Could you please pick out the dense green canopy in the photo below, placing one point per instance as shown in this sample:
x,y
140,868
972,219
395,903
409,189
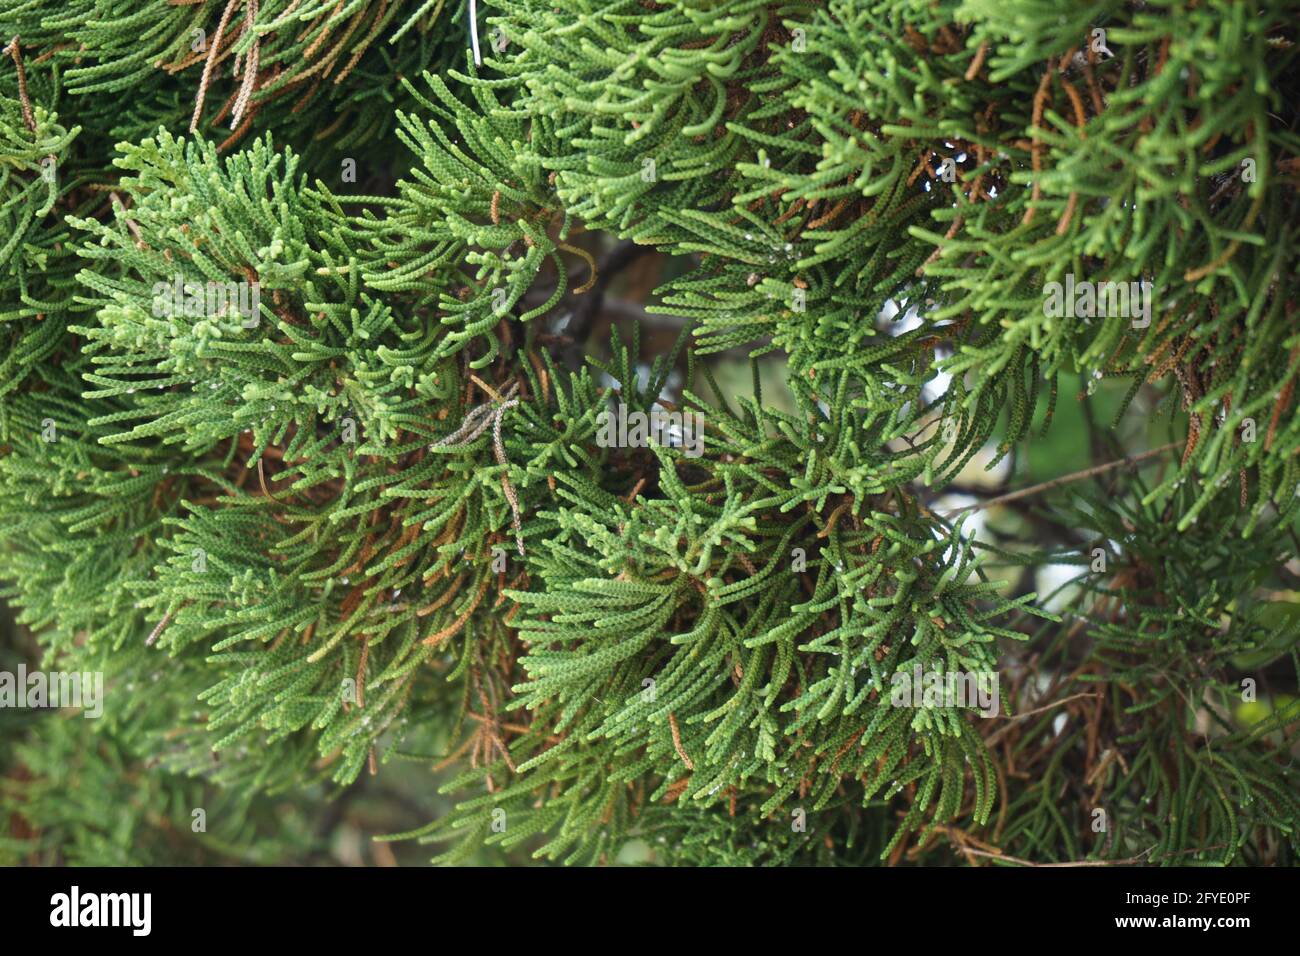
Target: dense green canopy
x,y
368,519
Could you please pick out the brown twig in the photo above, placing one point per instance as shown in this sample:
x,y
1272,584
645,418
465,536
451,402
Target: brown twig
x,y
1065,479
973,70
1040,102
12,49
208,64
677,741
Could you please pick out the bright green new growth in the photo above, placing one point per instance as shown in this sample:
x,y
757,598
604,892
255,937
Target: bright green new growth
x,y
373,521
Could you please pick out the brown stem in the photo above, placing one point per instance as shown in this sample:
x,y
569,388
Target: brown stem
x,y
1064,479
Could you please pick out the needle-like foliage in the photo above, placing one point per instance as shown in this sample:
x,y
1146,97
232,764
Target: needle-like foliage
x,y
362,507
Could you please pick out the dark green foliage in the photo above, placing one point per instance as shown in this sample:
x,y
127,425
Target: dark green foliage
x,y
375,520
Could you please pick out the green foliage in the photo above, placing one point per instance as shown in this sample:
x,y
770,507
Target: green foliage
x,y
313,70
371,519
85,800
